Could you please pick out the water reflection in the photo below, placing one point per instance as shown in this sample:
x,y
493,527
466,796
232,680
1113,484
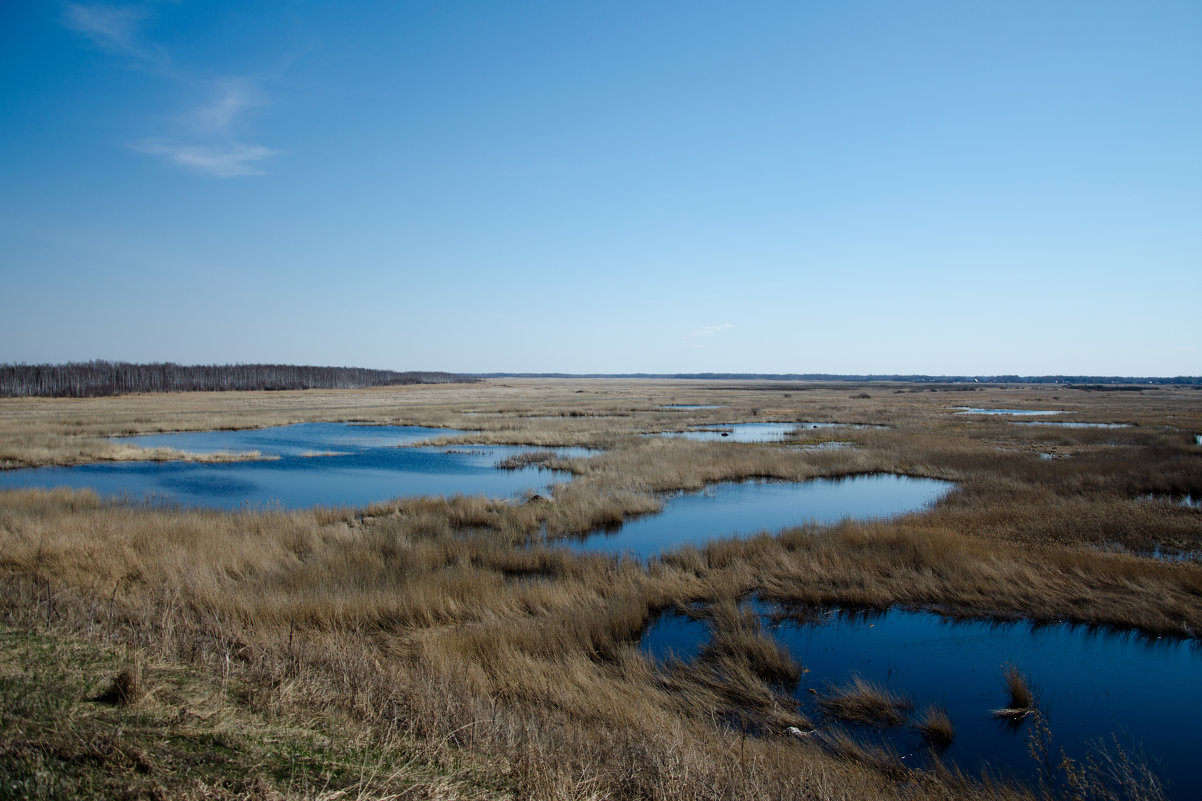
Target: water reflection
x,y
742,508
1066,424
755,432
311,464
738,432
1019,412
1088,682
295,440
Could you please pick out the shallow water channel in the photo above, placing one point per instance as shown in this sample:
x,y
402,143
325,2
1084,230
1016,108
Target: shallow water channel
x,y
1088,684
1072,424
304,465
752,432
340,464
1017,412
748,507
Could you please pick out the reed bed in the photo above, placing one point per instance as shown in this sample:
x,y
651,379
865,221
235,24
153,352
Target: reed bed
x,y
448,638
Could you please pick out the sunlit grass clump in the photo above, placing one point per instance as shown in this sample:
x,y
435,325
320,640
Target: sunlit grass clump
x,y
936,727
865,702
1021,698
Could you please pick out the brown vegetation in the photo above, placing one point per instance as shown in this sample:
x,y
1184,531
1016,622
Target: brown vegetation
x,y
444,635
862,701
936,727
1022,699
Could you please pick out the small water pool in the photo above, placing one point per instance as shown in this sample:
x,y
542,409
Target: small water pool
x,y
737,432
748,507
300,466
1089,684
754,432
1018,412
1067,424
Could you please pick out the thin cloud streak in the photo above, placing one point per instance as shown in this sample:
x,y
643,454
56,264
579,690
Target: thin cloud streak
x,y
112,28
223,161
206,139
711,330
233,97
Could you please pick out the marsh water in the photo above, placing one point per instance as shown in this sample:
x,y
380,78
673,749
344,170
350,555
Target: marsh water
x,y
299,466
747,507
1089,684
341,464
752,432
1018,412
1071,424
739,432
1036,413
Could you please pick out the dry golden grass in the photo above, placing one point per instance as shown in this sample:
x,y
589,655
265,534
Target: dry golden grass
x,y
863,701
447,628
1022,699
936,727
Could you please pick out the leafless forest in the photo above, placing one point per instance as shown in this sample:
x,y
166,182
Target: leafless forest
x,y
96,379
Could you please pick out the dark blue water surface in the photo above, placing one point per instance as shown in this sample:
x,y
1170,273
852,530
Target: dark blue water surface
x,y
674,635
748,507
311,464
1088,684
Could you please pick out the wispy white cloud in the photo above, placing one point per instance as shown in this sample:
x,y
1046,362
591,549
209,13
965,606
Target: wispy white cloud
x,y
231,98
112,28
228,160
207,136
710,330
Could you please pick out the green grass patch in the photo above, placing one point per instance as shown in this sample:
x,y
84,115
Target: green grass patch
x,y
63,735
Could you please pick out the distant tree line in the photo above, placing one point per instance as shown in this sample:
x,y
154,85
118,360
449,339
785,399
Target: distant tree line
x,y
1096,381
99,378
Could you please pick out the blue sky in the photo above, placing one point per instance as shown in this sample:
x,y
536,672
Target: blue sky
x,y
852,187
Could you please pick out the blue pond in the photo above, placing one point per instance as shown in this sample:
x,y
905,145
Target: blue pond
x,y
742,508
310,464
1088,684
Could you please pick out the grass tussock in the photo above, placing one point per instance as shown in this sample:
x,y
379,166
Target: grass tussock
x,y
738,636
543,458
126,689
865,702
1021,697
936,727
